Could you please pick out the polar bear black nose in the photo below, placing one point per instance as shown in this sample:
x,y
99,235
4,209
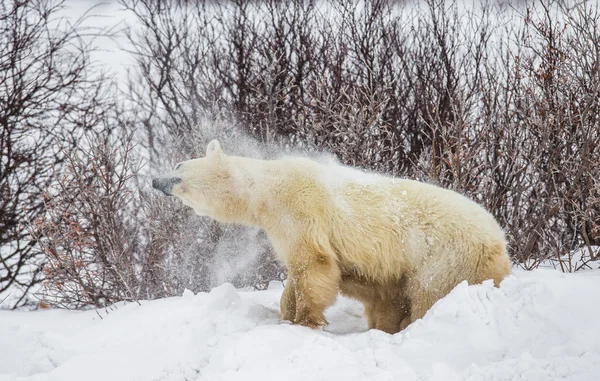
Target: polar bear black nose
x,y
165,184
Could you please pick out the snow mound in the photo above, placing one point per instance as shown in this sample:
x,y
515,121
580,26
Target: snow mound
x,y
539,325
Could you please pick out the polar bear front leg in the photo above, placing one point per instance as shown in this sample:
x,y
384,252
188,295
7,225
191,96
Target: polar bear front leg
x,y
315,277
288,301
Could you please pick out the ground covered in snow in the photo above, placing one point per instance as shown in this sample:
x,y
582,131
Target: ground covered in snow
x,y
540,325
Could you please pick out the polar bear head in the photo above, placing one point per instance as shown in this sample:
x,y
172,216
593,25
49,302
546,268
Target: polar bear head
x,y
210,185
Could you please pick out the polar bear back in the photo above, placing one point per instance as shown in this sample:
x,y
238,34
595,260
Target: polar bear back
x,y
385,228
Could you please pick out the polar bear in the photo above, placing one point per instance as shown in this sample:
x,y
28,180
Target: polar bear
x,y
396,245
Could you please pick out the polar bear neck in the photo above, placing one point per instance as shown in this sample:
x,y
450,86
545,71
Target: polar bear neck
x,y
266,186
256,183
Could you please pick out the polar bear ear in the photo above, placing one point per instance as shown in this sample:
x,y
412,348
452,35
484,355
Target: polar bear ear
x,y
213,147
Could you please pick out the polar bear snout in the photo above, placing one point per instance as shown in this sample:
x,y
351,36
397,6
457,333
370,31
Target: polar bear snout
x,y
165,184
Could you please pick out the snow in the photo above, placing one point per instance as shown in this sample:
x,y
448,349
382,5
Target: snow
x,y
582,259
539,325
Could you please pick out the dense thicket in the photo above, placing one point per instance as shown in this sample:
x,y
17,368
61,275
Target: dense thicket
x,y
499,102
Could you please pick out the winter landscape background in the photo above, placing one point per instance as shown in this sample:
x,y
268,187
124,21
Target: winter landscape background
x,y
497,100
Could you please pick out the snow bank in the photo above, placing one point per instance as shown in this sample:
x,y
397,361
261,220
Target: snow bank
x,y
539,325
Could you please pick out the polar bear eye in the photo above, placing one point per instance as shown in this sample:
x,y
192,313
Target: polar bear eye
x,y
178,166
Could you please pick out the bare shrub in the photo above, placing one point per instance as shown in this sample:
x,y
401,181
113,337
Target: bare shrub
x,y
50,96
86,233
